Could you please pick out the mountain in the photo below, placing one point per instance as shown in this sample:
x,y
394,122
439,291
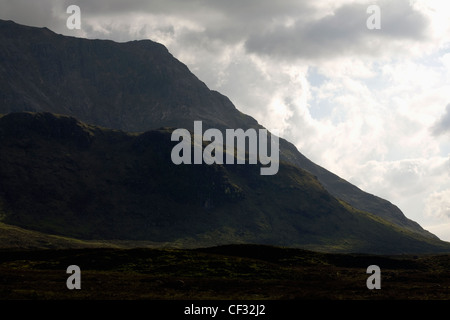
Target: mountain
x,y
63,177
135,87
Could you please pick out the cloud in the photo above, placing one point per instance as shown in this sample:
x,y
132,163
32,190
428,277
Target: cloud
x,y
404,178
34,13
343,32
442,126
438,204
411,185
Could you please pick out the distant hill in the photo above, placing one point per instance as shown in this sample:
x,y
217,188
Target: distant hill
x,y
13,237
63,177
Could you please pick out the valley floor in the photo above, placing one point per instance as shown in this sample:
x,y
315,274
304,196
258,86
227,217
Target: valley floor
x,y
244,272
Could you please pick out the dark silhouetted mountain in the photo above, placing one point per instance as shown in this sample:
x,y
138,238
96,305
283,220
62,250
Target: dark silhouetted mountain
x,y
63,177
137,86
133,87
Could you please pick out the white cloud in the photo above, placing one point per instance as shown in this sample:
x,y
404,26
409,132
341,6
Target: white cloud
x,y
438,204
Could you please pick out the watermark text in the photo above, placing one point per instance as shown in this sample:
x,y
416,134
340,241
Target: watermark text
x,y
235,142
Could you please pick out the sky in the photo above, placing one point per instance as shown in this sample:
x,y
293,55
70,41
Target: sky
x,y
362,92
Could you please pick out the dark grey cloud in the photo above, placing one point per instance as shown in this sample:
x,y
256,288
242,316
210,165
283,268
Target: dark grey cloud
x,y
442,126
231,22
32,13
342,33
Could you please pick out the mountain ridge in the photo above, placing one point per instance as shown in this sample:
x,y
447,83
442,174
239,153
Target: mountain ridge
x,y
150,89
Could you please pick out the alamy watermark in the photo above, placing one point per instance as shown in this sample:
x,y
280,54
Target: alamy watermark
x,y
374,281
74,281
74,20
374,20
258,147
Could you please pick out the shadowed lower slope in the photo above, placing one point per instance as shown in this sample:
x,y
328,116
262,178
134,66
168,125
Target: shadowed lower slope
x,y
64,177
